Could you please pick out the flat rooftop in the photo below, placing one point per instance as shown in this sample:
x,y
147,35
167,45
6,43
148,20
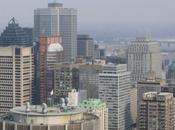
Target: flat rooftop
x,y
39,110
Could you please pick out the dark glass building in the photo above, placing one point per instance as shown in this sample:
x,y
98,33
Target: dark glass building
x,y
16,35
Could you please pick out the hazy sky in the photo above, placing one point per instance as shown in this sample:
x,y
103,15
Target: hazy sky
x,y
101,13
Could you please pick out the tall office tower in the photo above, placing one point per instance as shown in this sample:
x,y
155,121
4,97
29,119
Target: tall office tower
x,y
171,73
143,57
150,84
42,117
156,111
114,89
15,35
16,76
66,78
88,79
85,46
99,108
50,53
56,20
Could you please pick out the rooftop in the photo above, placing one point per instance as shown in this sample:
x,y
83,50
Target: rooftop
x,y
41,110
15,35
92,104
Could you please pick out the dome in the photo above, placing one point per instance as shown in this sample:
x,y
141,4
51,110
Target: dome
x,y
55,47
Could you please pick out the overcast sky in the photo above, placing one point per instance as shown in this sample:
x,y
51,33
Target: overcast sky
x,y
101,13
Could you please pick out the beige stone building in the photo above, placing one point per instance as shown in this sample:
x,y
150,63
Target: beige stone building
x,y
144,56
156,112
16,76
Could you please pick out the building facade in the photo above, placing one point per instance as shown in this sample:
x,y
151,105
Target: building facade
x,y
56,20
50,53
16,76
88,79
85,46
99,108
144,57
156,111
13,34
42,117
114,89
66,78
150,84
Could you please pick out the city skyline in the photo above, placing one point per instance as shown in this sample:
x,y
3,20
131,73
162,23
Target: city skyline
x,y
144,13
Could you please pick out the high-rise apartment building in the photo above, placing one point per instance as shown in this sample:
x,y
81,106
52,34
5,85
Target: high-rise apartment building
x,y
85,46
16,76
114,89
56,20
50,53
156,111
150,84
144,57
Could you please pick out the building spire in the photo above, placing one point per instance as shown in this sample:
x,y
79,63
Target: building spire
x,y
13,21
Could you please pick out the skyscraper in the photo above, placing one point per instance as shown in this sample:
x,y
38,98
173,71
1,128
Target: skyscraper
x,y
50,53
150,84
16,76
15,35
144,57
56,20
85,46
114,89
156,111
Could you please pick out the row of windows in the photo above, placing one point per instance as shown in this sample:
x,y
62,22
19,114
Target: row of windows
x,y
6,71
6,59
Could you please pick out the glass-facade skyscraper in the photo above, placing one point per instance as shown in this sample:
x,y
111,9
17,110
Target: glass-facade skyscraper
x,y
13,34
56,20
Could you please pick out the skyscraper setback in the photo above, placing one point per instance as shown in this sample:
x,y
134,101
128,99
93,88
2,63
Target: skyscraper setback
x,y
56,20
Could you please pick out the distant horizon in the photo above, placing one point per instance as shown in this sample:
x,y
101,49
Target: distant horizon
x,y
95,12
113,17
124,31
